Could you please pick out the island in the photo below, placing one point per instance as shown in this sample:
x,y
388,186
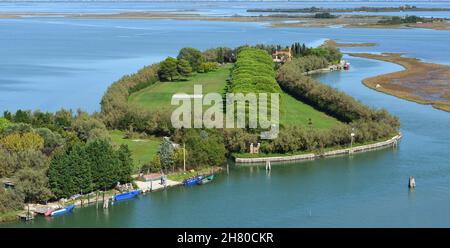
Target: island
x,y
56,161
421,82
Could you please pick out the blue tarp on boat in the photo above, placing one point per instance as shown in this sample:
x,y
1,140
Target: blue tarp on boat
x,y
127,195
62,211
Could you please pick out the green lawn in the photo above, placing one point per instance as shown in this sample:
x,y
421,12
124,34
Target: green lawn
x,y
294,112
159,95
142,150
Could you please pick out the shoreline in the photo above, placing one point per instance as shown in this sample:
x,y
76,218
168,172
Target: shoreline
x,y
409,83
392,142
146,187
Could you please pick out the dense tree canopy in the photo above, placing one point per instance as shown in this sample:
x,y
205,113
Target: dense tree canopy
x,y
168,69
194,56
184,68
94,166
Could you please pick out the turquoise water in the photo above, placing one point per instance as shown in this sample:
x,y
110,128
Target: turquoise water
x,y
48,63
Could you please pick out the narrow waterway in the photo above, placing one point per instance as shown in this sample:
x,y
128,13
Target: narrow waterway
x,y
368,189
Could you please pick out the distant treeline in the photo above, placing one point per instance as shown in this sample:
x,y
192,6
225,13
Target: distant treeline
x,y
407,19
358,9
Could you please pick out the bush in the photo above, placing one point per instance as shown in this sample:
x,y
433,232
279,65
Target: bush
x,y
10,200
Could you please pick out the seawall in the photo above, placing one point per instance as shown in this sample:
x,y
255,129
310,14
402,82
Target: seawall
x,y
392,142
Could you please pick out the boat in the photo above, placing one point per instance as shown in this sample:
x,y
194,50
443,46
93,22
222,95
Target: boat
x,y
346,66
192,181
126,195
63,211
206,180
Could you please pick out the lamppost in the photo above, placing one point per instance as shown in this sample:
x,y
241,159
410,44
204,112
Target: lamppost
x,y
352,134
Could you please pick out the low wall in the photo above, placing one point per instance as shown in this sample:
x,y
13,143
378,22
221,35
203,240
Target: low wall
x,y
311,156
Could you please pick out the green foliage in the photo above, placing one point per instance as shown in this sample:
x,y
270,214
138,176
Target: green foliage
x,y
178,158
126,168
253,72
114,103
184,68
104,164
52,140
166,151
205,148
10,200
11,161
89,128
369,124
33,185
63,118
84,168
168,70
395,20
21,142
208,66
194,56
220,55
4,123
324,15
154,165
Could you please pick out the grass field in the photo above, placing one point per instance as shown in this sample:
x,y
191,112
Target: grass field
x,y
294,112
142,150
158,97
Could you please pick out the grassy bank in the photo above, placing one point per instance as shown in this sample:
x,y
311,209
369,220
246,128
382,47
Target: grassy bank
x,y
294,112
180,176
9,216
421,82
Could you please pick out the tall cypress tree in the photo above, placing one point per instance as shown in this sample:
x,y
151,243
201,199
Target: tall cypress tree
x,y
55,176
81,170
103,163
126,164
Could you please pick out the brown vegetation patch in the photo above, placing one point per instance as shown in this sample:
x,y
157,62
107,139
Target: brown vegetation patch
x,y
421,82
338,44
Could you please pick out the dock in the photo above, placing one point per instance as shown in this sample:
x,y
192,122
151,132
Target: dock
x,y
155,185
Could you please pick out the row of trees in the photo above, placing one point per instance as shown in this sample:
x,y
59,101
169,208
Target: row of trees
x,y
253,72
171,68
406,19
115,110
88,167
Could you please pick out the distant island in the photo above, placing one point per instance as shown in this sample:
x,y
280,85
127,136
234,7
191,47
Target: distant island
x,y
343,10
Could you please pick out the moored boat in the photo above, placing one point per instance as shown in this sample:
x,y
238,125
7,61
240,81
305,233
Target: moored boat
x,y
127,195
63,211
192,181
206,179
